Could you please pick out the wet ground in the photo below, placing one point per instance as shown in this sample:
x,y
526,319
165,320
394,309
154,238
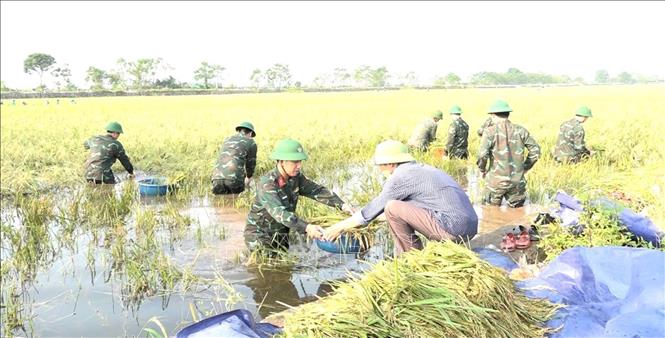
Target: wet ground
x,y
69,300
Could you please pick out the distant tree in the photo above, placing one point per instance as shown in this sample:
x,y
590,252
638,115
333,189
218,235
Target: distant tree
x,y
376,77
602,76
322,81
625,77
168,83
116,80
62,76
256,78
40,63
95,77
409,79
142,71
452,79
515,76
207,72
278,76
341,77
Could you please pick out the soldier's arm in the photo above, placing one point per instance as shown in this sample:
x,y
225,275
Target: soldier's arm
x,y
251,160
482,128
432,135
124,159
269,198
484,153
319,193
451,138
578,142
534,151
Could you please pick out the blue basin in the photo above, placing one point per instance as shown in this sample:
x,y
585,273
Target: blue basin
x,y
345,244
153,186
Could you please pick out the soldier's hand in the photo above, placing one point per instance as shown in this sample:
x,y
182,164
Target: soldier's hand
x,y
130,176
331,233
247,181
348,208
314,231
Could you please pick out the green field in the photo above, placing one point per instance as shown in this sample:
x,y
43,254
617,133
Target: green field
x,y
42,144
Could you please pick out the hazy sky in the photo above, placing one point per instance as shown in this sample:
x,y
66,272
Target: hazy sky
x,y
430,38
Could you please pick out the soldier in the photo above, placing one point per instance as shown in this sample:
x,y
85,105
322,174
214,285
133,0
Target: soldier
x,y
273,212
502,159
236,161
570,146
458,135
425,132
415,197
104,150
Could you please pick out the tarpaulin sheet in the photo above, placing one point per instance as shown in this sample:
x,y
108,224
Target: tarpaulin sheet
x,y
232,324
608,292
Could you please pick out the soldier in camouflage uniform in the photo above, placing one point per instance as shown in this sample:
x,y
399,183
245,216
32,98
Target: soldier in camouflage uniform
x,y
570,146
273,212
458,135
425,132
502,158
236,161
104,150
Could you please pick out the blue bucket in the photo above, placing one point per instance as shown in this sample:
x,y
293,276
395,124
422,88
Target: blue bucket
x,y
153,186
345,244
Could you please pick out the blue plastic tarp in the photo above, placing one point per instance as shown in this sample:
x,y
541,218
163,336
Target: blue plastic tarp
x,y
640,226
498,259
608,292
233,324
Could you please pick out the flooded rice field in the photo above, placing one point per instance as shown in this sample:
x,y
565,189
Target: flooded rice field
x,y
107,262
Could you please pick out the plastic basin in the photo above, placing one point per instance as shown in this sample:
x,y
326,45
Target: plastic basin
x,y
153,186
343,245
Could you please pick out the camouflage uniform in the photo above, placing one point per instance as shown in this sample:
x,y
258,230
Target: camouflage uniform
x,y
104,150
423,135
502,145
570,146
237,160
273,212
485,125
458,134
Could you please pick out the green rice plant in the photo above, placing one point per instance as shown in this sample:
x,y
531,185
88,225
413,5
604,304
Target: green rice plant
x,y
444,290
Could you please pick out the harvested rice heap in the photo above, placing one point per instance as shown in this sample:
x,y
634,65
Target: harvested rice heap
x,y
444,290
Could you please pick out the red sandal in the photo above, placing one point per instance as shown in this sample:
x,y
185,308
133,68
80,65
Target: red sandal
x,y
523,241
508,242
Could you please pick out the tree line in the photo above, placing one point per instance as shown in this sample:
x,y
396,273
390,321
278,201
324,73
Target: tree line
x,y
153,73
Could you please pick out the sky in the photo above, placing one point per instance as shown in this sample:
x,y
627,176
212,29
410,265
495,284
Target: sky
x,y
429,38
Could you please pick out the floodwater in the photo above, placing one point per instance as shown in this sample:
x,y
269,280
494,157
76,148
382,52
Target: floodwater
x,y
74,297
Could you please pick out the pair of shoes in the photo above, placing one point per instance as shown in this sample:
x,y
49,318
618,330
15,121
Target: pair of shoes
x,y
532,231
508,242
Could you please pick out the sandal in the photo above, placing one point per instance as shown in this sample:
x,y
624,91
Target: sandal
x,y
508,242
523,241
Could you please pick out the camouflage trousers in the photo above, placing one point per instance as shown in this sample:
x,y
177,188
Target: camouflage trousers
x,y
224,187
271,241
461,154
515,195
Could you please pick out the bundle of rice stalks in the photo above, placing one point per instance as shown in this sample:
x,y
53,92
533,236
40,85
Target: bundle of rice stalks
x,y
445,290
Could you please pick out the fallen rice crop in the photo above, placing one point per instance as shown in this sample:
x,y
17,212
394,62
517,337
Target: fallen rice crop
x,y
445,290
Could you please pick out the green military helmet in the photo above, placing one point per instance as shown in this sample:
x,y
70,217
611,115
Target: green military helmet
x,y
500,106
247,125
455,110
288,150
437,114
583,111
114,127
392,151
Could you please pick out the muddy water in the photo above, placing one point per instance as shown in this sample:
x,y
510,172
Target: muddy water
x,y
69,299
